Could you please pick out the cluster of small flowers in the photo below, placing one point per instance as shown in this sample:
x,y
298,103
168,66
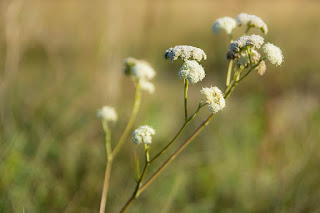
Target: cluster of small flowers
x,y
227,24
215,99
185,53
238,51
143,134
244,46
192,71
107,113
273,54
254,41
141,71
252,21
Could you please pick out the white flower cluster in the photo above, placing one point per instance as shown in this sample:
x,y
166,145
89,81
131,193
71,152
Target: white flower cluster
x,y
143,135
192,71
273,53
252,21
141,71
185,53
107,113
215,98
225,24
254,41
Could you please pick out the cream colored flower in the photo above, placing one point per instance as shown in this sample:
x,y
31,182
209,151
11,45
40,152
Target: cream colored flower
x,y
252,21
273,54
254,41
107,113
185,53
138,69
192,71
143,135
225,24
215,99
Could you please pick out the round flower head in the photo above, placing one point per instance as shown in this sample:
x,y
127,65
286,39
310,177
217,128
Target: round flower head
x,y
254,41
192,71
215,99
225,24
147,86
138,69
261,68
143,135
185,53
252,21
273,53
107,113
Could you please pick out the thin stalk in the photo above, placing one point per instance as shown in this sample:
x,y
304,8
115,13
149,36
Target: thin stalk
x,y
177,135
111,154
247,73
186,83
108,167
135,192
229,73
174,155
105,187
229,67
136,106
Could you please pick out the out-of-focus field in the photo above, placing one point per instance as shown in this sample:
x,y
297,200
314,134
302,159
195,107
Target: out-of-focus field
x,y
61,60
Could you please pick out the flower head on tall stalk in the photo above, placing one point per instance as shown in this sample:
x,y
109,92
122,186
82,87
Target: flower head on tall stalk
x,y
192,71
141,72
107,113
251,21
143,134
225,24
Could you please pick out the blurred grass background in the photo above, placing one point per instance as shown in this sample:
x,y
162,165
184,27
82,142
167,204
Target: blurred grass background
x,y
61,60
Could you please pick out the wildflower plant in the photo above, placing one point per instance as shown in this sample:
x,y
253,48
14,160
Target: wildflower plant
x,y
245,54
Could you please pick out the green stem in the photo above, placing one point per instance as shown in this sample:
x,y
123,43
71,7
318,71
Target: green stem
x,y
186,83
105,187
229,73
111,154
108,167
177,135
252,68
136,106
136,190
174,155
